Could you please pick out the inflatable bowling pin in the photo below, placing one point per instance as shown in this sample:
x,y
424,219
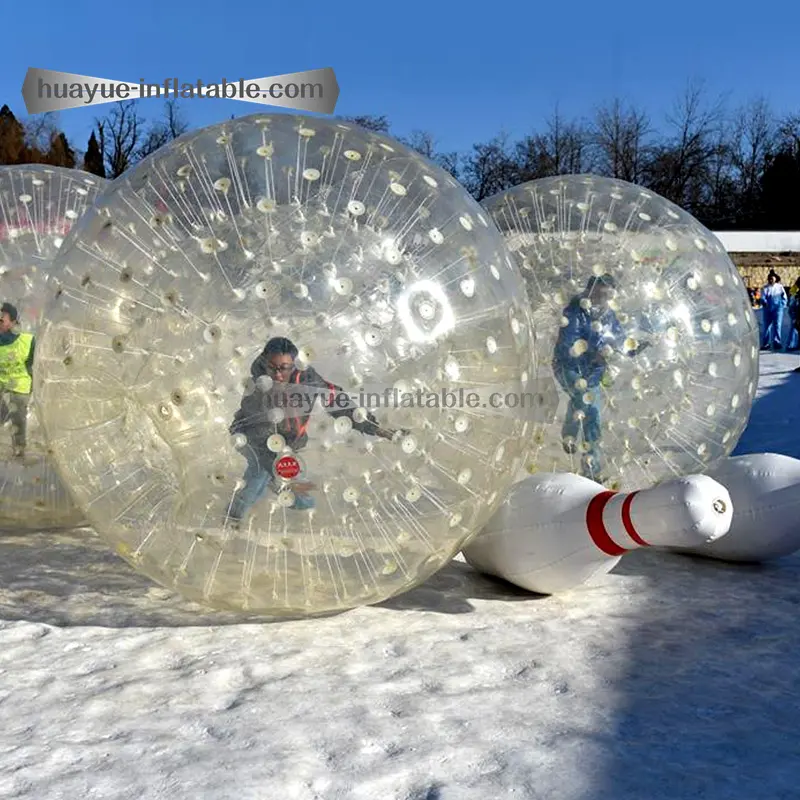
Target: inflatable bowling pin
x,y
765,491
556,531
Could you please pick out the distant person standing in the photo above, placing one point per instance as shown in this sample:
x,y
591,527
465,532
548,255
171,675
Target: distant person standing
x,y
16,377
796,318
774,300
794,313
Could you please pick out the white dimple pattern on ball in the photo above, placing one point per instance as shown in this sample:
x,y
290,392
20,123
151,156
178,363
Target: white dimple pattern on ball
x,y
380,269
38,207
683,402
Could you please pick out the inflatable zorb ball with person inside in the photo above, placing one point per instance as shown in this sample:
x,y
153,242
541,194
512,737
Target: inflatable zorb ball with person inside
x,y
38,207
210,371
644,324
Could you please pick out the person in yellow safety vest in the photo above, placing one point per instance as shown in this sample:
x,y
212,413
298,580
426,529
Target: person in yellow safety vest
x,y
16,377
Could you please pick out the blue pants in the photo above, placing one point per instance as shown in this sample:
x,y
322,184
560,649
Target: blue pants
x,y
773,323
794,336
258,478
589,402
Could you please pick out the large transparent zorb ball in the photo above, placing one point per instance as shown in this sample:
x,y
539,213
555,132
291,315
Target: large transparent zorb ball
x,y
643,322
38,207
337,469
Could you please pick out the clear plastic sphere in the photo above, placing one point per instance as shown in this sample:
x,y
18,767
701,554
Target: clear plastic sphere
x,y
169,428
38,207
643,322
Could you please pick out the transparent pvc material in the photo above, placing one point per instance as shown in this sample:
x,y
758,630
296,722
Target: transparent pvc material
x,y
392,285
38,207
643,322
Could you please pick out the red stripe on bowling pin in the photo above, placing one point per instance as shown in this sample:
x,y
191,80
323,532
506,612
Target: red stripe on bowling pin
x,y
628,522
596,527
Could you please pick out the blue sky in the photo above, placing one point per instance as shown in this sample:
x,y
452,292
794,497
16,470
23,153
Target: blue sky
x,y
463,71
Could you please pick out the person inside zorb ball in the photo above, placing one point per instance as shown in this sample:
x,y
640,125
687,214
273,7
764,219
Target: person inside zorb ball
x,y
213,374
279,405
644,324
38,207
592,333
16,376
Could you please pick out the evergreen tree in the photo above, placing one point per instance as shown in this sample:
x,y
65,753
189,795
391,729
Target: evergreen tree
x,y
93,160
779,187
371,122
12,138
60,153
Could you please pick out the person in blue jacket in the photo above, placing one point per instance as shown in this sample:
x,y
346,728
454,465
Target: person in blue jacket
x,y
793,309
774,301
592,333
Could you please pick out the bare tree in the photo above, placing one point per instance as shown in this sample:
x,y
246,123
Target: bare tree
x,y
720,208
372,122
425,144
788,133
679,168
40,130
119,134
155,139
619,141
169,127
490,168
174,119
124,138
562,149
753,139
450,162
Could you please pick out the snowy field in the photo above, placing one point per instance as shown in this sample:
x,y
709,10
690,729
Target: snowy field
x,y
669,678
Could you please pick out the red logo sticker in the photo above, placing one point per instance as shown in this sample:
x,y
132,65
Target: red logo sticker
x,y
287,467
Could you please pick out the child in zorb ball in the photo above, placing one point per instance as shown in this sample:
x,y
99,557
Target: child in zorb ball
x,y
275,415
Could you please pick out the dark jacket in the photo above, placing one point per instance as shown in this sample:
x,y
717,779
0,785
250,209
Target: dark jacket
x,y
296,399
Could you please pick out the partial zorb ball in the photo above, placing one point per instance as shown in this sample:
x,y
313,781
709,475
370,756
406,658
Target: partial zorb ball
x,y
276,375
643,322
38,207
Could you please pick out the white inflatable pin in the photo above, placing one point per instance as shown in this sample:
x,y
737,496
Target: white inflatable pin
x,y
555,531
765,490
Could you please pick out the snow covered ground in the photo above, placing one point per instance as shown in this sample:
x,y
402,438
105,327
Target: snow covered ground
x,y
669,678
